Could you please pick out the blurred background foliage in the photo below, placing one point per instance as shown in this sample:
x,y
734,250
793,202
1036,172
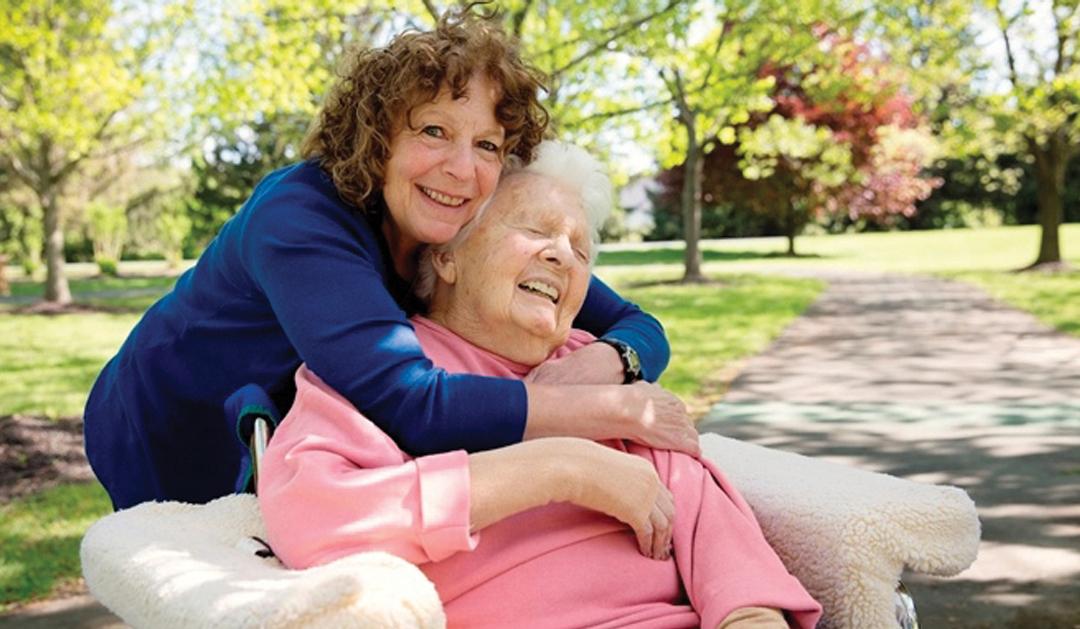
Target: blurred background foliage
x,y
134,129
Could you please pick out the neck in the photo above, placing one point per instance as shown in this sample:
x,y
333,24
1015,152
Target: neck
x,y
403,251
511,344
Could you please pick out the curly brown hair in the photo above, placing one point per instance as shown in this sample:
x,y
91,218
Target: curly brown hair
x,y
377,88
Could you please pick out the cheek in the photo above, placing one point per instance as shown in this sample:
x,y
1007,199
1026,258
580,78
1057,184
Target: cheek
x,y
488,177
579,286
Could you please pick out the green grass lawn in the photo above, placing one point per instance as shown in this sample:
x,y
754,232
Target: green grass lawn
x,y
1053,298
710,326
957,250
985,257
39,539
50,362
80,286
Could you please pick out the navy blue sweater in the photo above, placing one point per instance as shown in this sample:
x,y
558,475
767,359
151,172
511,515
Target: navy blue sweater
x,y
297,276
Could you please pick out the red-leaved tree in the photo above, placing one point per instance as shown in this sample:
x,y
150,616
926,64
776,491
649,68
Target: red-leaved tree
x,y
861,151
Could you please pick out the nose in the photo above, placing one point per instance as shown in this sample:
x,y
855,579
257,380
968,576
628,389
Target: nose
x,y
559,251
460,163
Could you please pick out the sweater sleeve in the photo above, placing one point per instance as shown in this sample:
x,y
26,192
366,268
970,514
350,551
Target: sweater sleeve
x,y
606,314
332,484
723,558
320,269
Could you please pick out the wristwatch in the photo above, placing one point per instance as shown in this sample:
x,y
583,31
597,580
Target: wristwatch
x,y
630,362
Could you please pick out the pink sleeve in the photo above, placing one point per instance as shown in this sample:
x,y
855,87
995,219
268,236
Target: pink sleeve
x,y
722,556
332,484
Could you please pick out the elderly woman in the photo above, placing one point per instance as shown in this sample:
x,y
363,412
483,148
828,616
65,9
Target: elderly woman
x,y
317,267
527,535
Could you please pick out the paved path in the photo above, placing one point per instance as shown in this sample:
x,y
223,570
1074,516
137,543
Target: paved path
x,y
934,381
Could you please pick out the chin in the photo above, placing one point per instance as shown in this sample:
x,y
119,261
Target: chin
x,y
440,235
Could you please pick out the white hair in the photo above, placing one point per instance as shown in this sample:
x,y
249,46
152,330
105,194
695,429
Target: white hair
x,y
575,168
567,164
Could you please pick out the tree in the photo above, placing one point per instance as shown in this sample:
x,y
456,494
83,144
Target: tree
x,y
264,73
835,141
1041,110
704,66
229,166
1009,87
108,229
71,83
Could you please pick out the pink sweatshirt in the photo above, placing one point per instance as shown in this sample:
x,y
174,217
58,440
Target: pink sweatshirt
x,y
332,484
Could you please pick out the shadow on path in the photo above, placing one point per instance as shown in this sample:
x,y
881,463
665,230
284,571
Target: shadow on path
x,y
934,381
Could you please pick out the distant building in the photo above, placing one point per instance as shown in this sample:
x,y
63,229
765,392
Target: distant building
x,y
634,200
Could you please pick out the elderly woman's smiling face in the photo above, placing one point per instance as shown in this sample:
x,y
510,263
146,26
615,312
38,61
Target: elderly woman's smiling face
x,y
516,283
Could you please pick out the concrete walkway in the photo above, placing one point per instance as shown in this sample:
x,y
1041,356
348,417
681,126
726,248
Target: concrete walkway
x,y
934,381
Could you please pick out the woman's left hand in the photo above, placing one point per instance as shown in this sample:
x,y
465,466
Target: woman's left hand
x,y
595,363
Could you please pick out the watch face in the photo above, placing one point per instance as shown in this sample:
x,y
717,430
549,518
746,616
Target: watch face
x,y
632,361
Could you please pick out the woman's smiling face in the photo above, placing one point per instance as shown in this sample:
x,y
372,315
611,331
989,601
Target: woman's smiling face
x,y
444,163
520,277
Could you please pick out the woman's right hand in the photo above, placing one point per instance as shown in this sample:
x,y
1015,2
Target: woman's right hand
x,y
659,419
640,412
534,473
623,486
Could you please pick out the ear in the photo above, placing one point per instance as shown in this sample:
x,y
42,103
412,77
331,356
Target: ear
x,y
445,266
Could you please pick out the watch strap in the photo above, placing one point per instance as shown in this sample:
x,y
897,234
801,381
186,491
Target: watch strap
x,y
628,356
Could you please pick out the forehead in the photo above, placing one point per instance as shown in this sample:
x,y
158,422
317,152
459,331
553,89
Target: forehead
x,y
479,96
529,196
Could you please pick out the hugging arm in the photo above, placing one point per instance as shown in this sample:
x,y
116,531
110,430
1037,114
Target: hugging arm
x,y
607,315
320,269
332,484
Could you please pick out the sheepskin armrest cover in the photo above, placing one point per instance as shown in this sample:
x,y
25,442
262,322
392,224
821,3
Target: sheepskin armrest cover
x,y
173,565
845,533
848,534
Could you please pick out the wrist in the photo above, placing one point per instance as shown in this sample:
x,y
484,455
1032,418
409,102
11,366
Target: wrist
x,y
629,361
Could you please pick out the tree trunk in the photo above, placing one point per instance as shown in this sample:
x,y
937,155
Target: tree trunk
x,y
1050,162
691,202
5,288
791,229
56,284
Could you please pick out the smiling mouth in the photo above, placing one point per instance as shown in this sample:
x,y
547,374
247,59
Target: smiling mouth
x,y
444,199
543,289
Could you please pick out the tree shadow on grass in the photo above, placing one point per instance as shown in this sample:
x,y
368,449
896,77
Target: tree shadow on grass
x,y
49,309
667,255
706,281
36,454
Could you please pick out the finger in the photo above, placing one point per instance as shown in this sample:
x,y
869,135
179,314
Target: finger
x,y
661,541
693,445
667,507
667,504
644,535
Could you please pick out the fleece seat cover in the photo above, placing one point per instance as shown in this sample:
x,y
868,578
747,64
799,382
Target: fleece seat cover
x,y
171,565
846,534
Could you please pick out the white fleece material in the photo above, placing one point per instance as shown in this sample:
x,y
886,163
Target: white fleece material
x,y
846,534
171,565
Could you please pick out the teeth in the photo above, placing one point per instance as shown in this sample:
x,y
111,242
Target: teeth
x,y
542,288
445,199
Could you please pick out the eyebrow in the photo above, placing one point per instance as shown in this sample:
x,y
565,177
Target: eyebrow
x,y
444,118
